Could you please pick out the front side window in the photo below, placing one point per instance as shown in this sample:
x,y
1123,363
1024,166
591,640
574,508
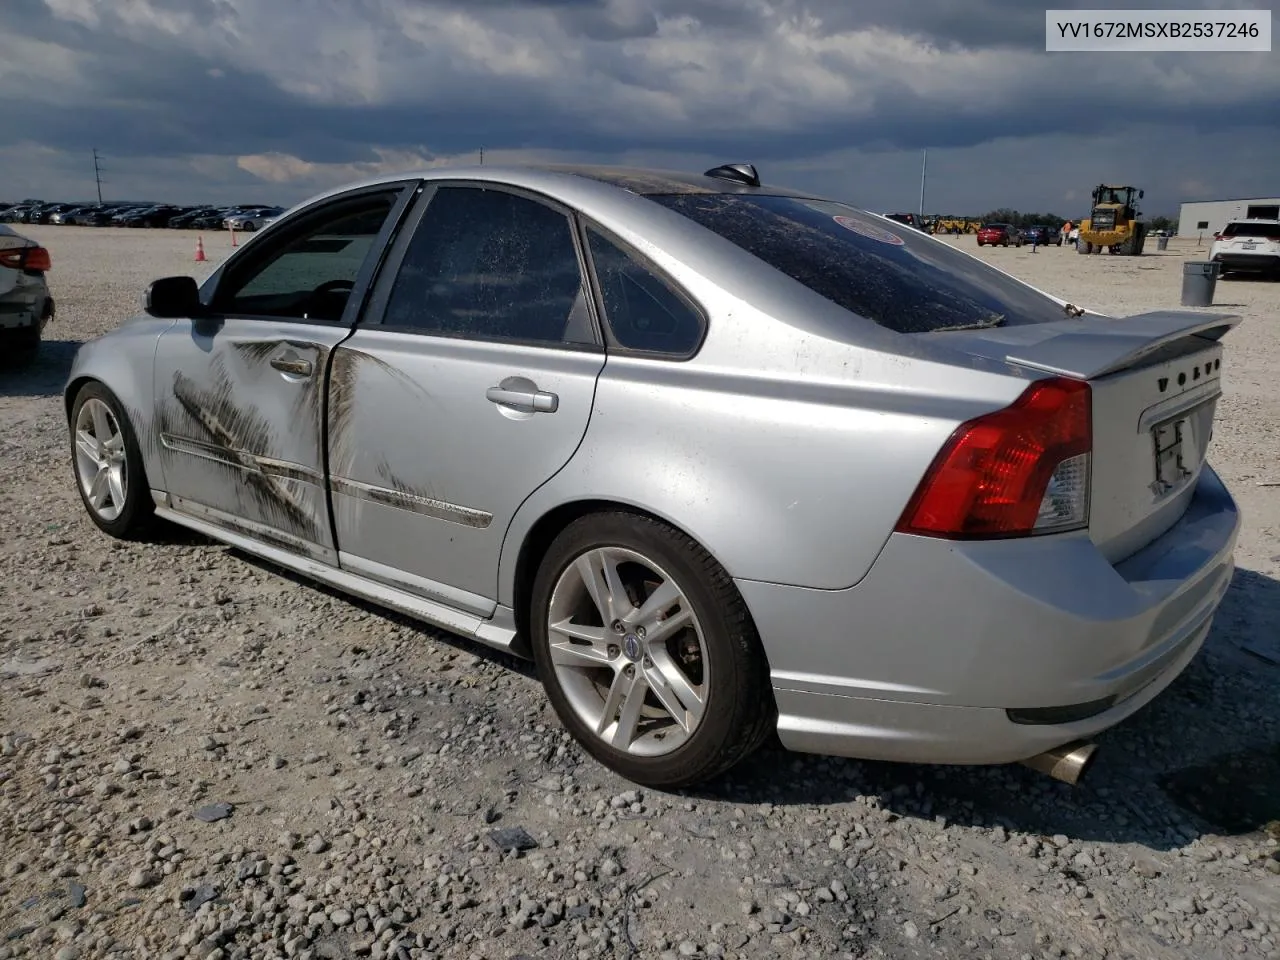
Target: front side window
x,y
309,272
899,278
643,313
491,265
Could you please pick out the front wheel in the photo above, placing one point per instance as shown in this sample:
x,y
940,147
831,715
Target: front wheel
x,y
108,465
647,651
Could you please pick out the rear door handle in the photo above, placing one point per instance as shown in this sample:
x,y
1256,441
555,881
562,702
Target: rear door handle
x,y
539,401
292,363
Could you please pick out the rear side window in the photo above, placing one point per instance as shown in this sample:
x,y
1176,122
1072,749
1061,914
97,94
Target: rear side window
x,y
897,277
491,265
643,313
1271,230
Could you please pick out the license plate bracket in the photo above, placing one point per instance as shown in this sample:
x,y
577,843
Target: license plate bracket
x,y
1177,455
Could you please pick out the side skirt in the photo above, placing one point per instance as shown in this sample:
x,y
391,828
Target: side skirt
x,y
497,631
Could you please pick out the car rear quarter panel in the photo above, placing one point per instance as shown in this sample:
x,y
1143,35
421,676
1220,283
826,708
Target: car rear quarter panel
x,y
788,455
123,360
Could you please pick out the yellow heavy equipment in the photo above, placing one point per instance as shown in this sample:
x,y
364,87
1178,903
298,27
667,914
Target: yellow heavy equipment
x,y
1113,222
955,225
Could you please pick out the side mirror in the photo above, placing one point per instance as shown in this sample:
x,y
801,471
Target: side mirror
x,y
173,298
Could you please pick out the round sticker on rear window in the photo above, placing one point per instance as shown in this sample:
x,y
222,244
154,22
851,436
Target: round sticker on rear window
x,y
866,230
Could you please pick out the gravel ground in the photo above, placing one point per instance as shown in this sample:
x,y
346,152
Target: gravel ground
x,y
201,757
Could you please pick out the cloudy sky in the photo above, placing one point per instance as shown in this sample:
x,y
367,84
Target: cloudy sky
x,y
273,100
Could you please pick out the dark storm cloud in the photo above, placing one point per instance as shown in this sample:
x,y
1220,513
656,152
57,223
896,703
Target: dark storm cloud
x,y
333,82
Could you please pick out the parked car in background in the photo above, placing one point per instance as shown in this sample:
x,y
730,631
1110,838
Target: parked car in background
x,y
26,305
534,406
98,216
1247,246
1042,235
999,235
210,219
19,212
187,219
910,219
45,212
157,216
61,216
251,219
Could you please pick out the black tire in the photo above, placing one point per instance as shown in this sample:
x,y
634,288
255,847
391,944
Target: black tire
x,y
739,712
137,519
21,347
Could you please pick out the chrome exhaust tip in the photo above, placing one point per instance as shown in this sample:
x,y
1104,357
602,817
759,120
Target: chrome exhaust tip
x,y
1067,763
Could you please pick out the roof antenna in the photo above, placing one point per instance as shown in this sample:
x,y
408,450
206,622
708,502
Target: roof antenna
x,y
737,172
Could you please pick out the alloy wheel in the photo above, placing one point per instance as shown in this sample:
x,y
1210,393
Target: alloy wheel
x,y
100,459
628,651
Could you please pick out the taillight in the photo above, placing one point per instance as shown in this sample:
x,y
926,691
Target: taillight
x,y
1016,472
26,258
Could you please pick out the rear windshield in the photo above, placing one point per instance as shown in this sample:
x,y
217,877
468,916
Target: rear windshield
x,y
1252,230
899,278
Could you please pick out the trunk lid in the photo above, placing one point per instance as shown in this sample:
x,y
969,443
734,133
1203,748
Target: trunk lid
x,y
1156,381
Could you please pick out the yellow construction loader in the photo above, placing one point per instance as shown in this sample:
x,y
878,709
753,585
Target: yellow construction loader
x,y
1113,222
956,225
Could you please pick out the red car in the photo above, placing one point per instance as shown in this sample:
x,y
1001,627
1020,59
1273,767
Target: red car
x,y
999,235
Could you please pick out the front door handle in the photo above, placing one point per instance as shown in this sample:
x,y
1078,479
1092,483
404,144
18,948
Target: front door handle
x,y
292,363
539,401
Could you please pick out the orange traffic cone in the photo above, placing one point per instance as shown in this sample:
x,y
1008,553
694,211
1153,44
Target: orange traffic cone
x,y
233,236
200,257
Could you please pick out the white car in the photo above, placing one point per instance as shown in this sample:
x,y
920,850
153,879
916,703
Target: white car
x,y
251,220
1247,246
25,302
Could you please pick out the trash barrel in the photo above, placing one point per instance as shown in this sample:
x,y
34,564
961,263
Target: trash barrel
x,y
1199,277
1162,243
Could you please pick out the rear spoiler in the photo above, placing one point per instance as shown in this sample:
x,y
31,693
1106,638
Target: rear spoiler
x,y
1092,346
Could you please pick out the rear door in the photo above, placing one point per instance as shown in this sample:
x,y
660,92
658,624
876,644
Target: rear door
x,y
240,390
470,386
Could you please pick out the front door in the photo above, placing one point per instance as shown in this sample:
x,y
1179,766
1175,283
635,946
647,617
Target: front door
x,y
468,386
240,390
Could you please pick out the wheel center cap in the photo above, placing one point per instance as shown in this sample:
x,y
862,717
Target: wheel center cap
x,y
631,647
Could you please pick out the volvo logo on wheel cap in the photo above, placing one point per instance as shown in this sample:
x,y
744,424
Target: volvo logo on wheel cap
x,y
631,646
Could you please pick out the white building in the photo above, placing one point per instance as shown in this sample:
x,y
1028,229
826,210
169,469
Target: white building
x,y
1210,216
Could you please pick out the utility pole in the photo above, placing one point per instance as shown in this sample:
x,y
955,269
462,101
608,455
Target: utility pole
x,y
97,175
924,166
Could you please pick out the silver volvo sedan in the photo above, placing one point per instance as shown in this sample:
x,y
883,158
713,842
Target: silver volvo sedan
x,y
723,459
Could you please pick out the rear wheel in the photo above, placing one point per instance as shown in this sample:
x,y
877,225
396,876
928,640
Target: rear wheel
x,y
108,465
647,651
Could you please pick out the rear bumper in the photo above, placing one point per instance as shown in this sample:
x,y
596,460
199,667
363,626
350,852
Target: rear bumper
x,y
24,308
1248,261
959,652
